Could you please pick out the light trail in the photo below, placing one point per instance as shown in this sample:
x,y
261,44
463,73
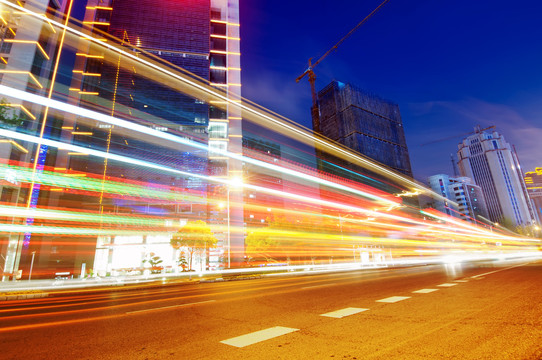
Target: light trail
x,y
287,212
72,109
124,159
296,129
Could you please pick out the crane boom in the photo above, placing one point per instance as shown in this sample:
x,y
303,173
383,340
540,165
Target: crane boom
x,y
312,75
458,135
312,66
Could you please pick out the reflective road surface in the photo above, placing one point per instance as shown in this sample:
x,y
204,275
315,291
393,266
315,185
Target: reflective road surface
x,y
483,310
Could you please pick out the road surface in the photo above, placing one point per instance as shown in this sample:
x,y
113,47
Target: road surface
x,y
486,310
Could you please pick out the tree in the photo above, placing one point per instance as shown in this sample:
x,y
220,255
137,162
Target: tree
x,y
285,240
261,244
154,261
182,261
196,237
6,118
508,223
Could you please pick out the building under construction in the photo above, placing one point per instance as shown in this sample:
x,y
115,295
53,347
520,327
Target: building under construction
x,y
365,123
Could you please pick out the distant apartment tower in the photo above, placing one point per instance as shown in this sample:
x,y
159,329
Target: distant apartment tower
x,y
533,181
365,123
493,164
461,191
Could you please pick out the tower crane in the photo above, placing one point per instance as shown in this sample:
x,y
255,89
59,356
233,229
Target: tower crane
x,y
312,76
477,129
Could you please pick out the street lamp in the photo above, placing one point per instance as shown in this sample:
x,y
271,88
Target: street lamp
x,y
342,237
234,183
31,266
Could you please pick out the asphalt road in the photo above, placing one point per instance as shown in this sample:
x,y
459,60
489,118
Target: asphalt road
x,y
490,310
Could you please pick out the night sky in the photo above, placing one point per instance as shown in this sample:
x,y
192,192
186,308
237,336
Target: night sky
x,y
450,65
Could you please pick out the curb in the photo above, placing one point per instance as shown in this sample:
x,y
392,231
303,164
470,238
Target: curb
x,y
231,279
23,296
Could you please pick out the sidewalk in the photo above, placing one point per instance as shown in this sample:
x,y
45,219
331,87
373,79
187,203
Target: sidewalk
x,y
25,289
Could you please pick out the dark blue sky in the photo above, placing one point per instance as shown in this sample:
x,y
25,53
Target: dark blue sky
x,y
450,65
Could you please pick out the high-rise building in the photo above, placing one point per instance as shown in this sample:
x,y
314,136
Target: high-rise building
x,y
202,37
533,180
467,200
365,123
198,39
261,207
441,185
28,47
492,163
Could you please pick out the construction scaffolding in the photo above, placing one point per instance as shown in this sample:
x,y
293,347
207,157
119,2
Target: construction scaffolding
x,y
365,123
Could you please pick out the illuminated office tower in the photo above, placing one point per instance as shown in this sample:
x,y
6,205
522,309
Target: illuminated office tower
x,y
27,62
225,126
197,38
492,163
201,37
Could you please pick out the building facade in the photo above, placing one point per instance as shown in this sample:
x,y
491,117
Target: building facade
x,y
365,123
28,50
492,163
533,181
201,37
198,39
467,200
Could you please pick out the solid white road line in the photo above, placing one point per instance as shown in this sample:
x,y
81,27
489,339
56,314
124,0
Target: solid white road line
x,y
393,299
317,286
169,307
344,312
495,271
257,336
447,285
424,291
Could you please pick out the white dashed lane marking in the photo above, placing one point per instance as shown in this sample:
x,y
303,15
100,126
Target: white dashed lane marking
x,y
258,336
461,281
344,312
393,299
447,285
424,291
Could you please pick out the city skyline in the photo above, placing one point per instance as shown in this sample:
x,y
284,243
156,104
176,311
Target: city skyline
x,y
449,67
148,212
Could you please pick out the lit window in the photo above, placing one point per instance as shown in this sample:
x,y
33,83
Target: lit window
x,y
218,60
217,146
218,28
218,44
217,76
218,130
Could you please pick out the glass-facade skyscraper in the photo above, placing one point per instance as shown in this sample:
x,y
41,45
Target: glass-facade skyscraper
x,y
202,38
137,62
365,123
